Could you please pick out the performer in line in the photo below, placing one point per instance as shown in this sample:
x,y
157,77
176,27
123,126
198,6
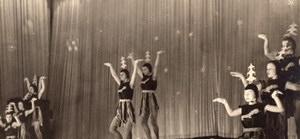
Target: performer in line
x,y
10,125
37,93
276,126
253,113
23,114
149,107
290,66
125,112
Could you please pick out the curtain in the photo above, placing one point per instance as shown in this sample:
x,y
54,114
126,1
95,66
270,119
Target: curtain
x,y
204,40
24,40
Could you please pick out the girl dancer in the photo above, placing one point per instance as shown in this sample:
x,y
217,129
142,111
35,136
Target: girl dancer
x,y
10,126
34,92
149,107
276,123
290,65
22,114
253,113
125,112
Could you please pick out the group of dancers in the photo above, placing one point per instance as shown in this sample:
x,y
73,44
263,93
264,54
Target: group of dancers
x,y
22,113
125,115
279,94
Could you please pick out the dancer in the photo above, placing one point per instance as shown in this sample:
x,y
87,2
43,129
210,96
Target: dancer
x,y
10,126
253,113
125,112
22,113
35,92
290,65
149,107
276,126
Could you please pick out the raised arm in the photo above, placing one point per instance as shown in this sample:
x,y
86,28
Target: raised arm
x,y
266,47
113,72
14,106
140,73
278,108
156,64
27,112
41,87
17,123
26,80
240,76
230,112
1,123
134,72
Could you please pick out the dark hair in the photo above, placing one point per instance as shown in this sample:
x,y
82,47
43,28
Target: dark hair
x,y
254,88
148,66
35,89
290,42
277,66
126,72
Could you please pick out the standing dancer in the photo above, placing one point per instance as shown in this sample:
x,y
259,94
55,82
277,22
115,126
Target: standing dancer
x,y
149,107
22,113
36,92
253,113
125,112
290,65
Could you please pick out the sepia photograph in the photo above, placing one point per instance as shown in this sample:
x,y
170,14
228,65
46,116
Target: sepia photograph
x,y
149,69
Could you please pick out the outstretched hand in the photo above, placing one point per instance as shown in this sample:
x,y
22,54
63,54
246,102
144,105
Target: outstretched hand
x,y
138,61
43,78
161,52
130,56
107,64
26,79
262,36
33,99
220,100
276,93
237,74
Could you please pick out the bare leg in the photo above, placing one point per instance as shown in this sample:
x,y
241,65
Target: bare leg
x,y
113,128
128,130
23,131
144,121
153,121
40,116
297,117
37,130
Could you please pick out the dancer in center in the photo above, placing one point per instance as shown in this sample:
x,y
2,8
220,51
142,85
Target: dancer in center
x,y
125,112
149,107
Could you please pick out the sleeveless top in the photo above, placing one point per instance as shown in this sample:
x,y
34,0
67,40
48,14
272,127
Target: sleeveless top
x,y
125,91
10,131
148,83
256,120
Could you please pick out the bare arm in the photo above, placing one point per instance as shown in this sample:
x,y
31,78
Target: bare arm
x,y
1,123
17,123
41,87
156,64
278,108
240,76
26,80
132,61
266,47
113,73
134,72
15,107
292,86
27,112
230,112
